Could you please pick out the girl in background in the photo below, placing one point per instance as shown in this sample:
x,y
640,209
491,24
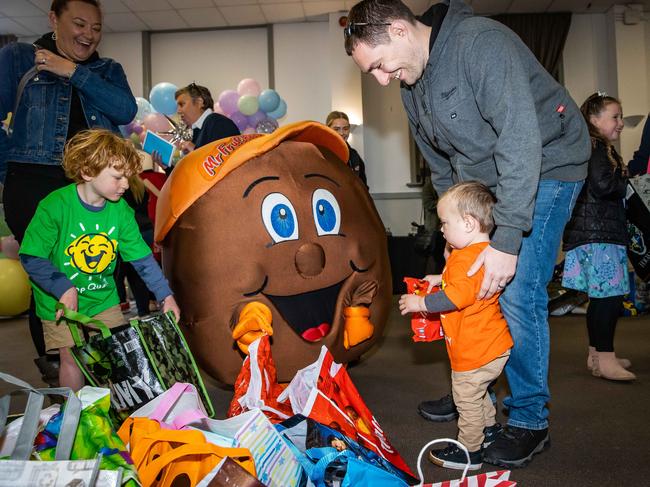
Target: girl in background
x,y
595,239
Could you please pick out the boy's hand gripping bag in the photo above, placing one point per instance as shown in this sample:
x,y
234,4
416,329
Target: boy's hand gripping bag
x,y
426,326
137,361
323,391
500,478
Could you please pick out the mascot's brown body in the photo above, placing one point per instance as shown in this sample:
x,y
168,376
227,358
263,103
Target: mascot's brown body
x,y
274,234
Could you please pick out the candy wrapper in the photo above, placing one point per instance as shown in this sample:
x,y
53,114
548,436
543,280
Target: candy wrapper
x,y
426,326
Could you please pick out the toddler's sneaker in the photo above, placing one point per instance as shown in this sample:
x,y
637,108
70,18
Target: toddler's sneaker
x,y
454,457
491,433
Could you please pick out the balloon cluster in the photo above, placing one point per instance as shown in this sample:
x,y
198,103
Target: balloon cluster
x,y
252,109
159,116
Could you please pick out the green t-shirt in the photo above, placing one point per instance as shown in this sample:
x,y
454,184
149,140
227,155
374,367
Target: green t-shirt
x,y
82,244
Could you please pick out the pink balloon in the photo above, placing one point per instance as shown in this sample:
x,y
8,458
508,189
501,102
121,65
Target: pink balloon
x,y
9,246
248,86
217,108
156,122
142,136
228,101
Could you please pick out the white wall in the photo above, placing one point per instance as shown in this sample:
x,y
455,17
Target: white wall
x,y
218,59
386,138
126,48
632,75
585,57
301,60
604,54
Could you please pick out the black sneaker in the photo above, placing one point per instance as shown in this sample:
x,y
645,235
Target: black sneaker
x,y
439,411
49,370
491,433
454,457
515,447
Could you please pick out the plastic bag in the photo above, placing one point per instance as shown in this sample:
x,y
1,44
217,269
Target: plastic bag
x,y
324,392
257,384
426,326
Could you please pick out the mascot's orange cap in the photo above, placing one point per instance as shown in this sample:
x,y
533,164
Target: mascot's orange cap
x,y
202,168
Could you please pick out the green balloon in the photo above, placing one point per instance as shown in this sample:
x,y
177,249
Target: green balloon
x,y
248,105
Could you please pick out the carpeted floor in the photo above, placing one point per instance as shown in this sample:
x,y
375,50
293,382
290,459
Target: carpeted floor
x,y
599,429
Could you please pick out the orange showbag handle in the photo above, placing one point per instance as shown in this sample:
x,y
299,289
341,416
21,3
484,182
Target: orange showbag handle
x,y
195,469
158,443
133,429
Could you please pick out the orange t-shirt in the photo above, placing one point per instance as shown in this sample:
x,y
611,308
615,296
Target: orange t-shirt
x,y
476,333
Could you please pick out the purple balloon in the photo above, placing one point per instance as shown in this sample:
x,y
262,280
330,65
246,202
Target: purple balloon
x,y
256,118
228,101
137,128
240,119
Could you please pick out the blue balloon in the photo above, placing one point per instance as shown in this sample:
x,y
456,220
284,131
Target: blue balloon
x,y
279,112
162,98
268,100
144,108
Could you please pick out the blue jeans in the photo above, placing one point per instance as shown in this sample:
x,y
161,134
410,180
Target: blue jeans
x,y
524,304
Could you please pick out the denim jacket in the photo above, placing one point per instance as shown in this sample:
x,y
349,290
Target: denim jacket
x,y
41,121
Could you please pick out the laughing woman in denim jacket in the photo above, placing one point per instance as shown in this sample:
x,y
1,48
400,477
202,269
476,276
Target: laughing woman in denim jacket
x,y
67,88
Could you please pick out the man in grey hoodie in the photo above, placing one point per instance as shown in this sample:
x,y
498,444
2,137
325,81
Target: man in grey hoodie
x,y
481,107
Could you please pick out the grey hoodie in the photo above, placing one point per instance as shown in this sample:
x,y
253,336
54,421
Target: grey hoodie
x,y
485,109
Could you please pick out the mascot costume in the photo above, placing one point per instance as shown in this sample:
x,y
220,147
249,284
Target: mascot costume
x,y
274,234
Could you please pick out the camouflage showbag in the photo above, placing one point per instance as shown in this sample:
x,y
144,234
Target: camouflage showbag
x,y
137,361
169,353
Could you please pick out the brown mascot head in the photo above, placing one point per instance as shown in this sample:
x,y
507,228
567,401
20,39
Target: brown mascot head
x,y
274,234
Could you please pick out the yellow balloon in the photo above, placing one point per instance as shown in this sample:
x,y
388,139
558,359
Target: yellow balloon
x,y
15,290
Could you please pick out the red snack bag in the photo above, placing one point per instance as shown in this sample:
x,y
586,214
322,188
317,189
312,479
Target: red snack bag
x,y
257,385
426,326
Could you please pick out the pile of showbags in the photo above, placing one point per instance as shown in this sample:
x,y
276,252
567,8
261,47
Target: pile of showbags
x,y
147,420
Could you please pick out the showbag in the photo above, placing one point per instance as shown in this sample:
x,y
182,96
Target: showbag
x,y
638,224
324,391
138,361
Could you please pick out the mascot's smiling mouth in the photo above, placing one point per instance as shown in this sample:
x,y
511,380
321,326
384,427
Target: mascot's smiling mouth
x,y
309,314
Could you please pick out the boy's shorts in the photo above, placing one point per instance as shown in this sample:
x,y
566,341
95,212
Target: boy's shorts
x,y
59,336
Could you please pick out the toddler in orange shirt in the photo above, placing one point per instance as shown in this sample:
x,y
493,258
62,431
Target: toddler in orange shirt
x,y
476,334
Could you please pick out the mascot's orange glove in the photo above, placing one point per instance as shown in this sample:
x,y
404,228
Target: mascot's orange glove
x,y
254,321
357,326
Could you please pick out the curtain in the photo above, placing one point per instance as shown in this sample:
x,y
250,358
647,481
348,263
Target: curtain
x,y
6,39
544,34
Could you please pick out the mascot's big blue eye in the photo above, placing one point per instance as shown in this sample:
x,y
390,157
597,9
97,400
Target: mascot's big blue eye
x,y
279,217
327,213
